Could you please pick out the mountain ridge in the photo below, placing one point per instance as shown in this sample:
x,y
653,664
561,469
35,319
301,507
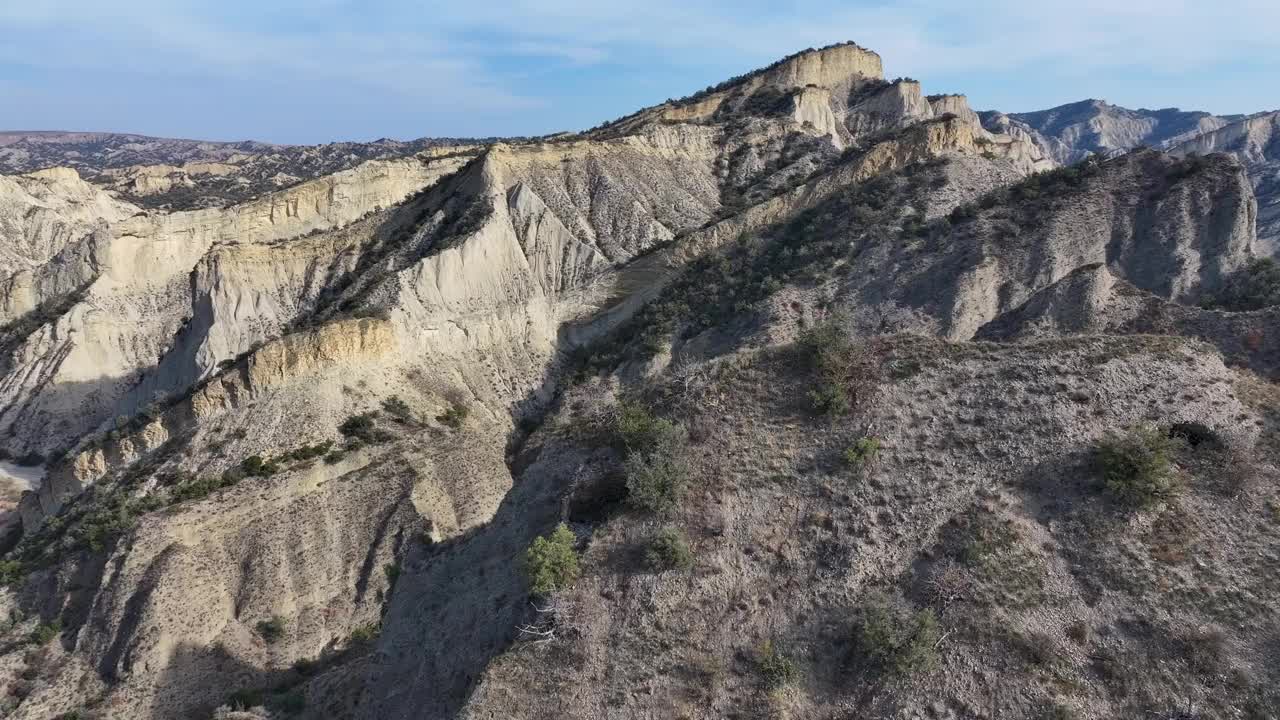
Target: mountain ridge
x,y
808,349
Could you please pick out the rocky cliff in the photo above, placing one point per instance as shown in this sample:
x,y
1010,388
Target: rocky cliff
x,y
1072,132
1255,141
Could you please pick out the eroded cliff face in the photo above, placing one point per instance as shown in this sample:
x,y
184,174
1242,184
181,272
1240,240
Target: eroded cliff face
x,y
1255,141
1179,237
134,289
44,212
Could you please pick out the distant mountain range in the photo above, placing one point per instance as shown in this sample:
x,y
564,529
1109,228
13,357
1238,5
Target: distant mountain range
x,y
180,174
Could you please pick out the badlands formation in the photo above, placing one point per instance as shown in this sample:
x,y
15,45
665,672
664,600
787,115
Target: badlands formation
x,y
875,351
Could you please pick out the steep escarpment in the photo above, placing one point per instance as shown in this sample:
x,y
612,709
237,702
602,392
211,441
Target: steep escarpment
x,y
42,213
1072,132
1255,141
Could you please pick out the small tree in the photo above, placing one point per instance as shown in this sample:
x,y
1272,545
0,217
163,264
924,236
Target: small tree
x,y
551,562
862,453
668,550
778,668
656,478
1137,467
895,639
638,430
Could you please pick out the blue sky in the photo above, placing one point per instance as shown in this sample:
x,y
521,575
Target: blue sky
x,y
321,70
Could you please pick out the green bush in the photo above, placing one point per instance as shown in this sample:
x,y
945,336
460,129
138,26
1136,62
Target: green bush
x,y
12,572
256,466
638,430
271,630
363,428
308,452
397,408
1137,467
656,478
862,453
895,639
778,669
199,487
551,562
668,550
46,632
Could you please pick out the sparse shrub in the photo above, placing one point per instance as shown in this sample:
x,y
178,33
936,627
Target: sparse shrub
x,y
894,638
256,466
1196,435
948,583
364,634
1004,570
862,453
639,430
1079,632
271,630
656,478
848,371
456,415
290,703
335,457
1205,649
46,632
31,459
668,550
397,408
246,698
1038,648
308,452
1137,467
551,562
363,428
12,572
778,669
1058,711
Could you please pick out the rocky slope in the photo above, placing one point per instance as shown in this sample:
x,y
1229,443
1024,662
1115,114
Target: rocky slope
x,y
297,446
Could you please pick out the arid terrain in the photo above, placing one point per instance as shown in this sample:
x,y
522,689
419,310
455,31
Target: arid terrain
x,y
810,395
